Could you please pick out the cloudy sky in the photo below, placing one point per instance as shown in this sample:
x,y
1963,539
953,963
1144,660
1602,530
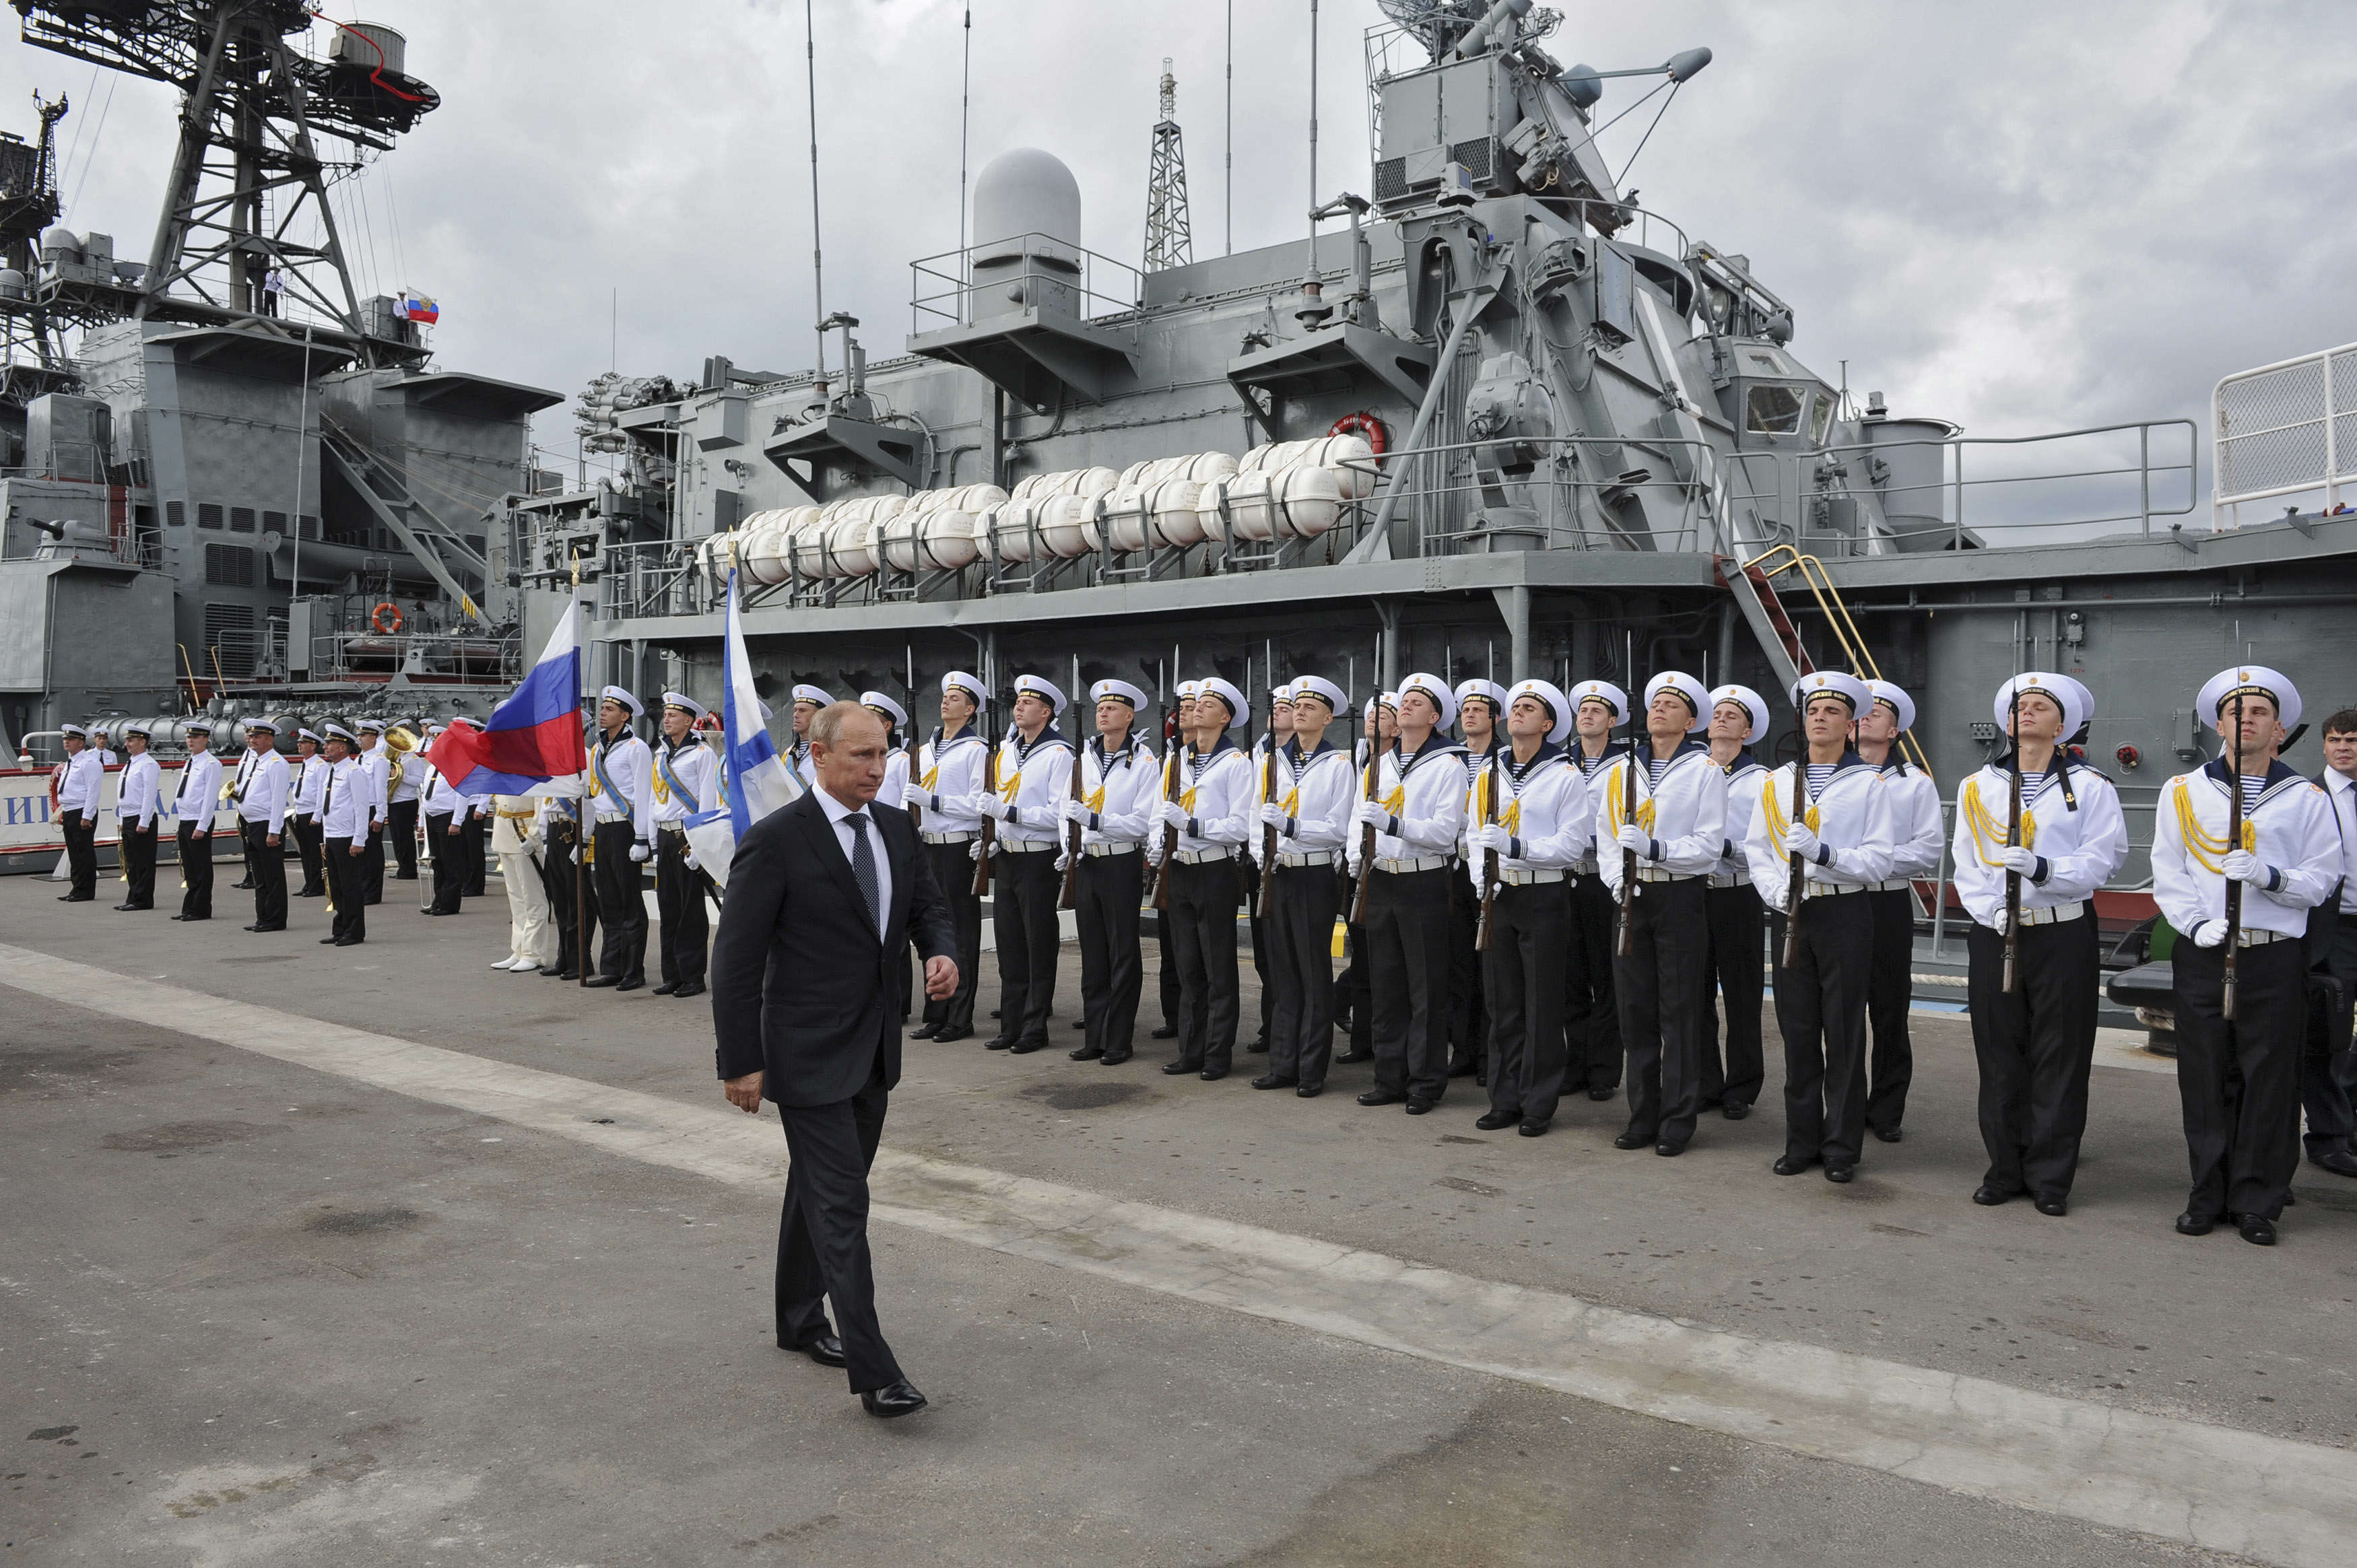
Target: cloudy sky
x,y
2017,216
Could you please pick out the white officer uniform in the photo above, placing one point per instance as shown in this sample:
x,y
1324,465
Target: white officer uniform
x,y
138,802
80,786
262,788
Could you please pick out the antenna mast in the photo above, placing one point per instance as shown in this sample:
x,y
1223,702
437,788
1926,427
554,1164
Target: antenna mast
x,y
1169,237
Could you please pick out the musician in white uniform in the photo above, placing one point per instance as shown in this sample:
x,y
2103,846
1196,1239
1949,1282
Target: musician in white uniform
x,y
79,793
1035,780
683,770
2035,1041
1831,813
137,804
1214,813
949,773
1120,783
621,841
376,760
401,800
1737,920
261,819
1310,813
2242,1139
306,773
192,820
347,810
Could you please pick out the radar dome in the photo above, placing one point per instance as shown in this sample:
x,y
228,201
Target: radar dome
x,y
1026,191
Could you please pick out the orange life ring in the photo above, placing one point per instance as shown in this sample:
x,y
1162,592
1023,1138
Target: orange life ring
x,y
1365,424
385,618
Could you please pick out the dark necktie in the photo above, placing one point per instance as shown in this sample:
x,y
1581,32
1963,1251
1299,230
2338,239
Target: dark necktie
x,y
863,870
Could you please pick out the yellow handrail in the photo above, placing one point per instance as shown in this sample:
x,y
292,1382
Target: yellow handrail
x,y
1845,629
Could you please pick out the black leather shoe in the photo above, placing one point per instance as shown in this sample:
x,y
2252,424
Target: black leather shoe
x,y
1025,1047
120,909
1632,1140
348,942
1989,1195
595,980
944,1036
1176,1069
324,941
76,897
1735,1110
1497,1121
1891,1136
827,1349
1080,1023
2188,1225
2057,1207
1212,1074
1309,1090
1257,1049
631,985
1380,1096
1167,1032
1356,1056
1841,1176
1086,1054
893,1399
1418,1106
688,988
995,1012
666,988
561,973
2257,1229
1271,1081
1668,1150
997,1043
242,886
1790,1164
1602,1094
1113,1059
1532,1129
923,1031
2340,1162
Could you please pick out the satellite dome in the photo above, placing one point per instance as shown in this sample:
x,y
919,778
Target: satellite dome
x,y
1026,191
66,241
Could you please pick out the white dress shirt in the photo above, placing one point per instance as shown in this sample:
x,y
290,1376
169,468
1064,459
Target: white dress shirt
x,y
345,804
199,794
1542,803
836,811
1424,795
1316,793
1216,791
437,796
1035,780
84,783
621,771
376,763
1917,824
263,798
138,798
2341,794
682,778
2079,835
2291,833
302,794
1745,775
1684,815
947,772
1851,819
1119,790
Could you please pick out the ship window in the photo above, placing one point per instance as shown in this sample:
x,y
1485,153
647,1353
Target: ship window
x,y
1773,410
1760,359
1821,419
240,519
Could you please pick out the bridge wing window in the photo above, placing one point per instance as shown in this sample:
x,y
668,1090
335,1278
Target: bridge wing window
x,y
1773,410
1821,419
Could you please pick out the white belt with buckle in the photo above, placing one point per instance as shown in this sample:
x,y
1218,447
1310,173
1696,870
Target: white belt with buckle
x,y
1583,868
1027,846
1528,878
1304,857
1893,885
1646,875
1420,863
2248,938
1729,879
1204,856
2053,916
1112,846
966,837
603,817
1831,889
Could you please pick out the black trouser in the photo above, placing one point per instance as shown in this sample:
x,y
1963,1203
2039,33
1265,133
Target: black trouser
x,y
472,831
679,907
1352,995
1301,953
1736,918
196,873
82,853
401,826
952,867
1202,911
1024,890
1889,991
621,900
346,888
449,863
822,1229
2239,1083
1663,986
1407,958
561,877
267,865
1253,874
372,866
2327,1068
1112,973
2035,1047
307,833
1591,1016
1468,1019
1166,983
138,853
1521,976
1821,1011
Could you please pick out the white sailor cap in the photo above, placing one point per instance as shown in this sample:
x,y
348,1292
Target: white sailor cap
x,y
1322,689
197,727
684,704
376,727
1831,683
1754,706
1117,691
1558,706
1698,701
1232,699
338,731
616,695
1042,688
2258,681
268,724
1899,702
300,734
1603,692
884,706
141,731
76,731
1436,688
2060,690
965,681
1281,694
817,695
765,709
1189,691
1491,690
472,723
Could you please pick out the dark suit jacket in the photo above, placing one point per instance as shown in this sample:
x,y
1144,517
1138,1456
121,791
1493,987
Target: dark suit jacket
x,y
801,987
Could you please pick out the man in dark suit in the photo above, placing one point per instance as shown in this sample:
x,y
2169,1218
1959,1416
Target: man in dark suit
x,y
824,897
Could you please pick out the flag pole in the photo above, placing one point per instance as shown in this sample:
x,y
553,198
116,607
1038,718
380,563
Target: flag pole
x,y
581,795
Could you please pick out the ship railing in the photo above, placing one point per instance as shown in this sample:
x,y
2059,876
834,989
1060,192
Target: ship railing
x,y
2284,430
2061,486
943,291
652,577
1463,501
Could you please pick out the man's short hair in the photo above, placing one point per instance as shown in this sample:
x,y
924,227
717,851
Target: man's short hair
x,y
826,724
2343,721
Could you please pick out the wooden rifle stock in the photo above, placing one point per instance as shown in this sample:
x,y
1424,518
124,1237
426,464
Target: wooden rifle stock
x,y
989,824
1628,943
1799,890
1366,844
2012,979
1268,836
908,780
2233,888
1169,833
1489,857
1071,897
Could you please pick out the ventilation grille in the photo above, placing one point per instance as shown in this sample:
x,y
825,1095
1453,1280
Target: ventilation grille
x,y
1476,156
228,636
228,567
1390,180
208,515
240,519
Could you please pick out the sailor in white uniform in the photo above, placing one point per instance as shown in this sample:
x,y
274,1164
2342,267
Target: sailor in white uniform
x,y
138,804
621,841
1739,722
1120,782
684,779
1919,829
442,810
1591,1012
949,773
1212,815
1311,815
376,761
309,771
1279,731
1035,768
1481,720
808,700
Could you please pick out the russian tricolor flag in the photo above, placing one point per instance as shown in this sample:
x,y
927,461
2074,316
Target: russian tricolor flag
x,y
417,306
533,737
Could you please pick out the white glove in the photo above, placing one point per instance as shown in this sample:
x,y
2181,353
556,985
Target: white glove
x,y
1492,836
2209,934
1800,840
980,803
973,850
693,865
1371,814
1174,815
1632,837
2241,865
2019,860
1075,811
641,854
1273,816
1063,860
